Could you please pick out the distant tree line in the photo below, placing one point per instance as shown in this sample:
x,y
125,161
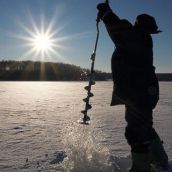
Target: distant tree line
x,y
49,71
46,71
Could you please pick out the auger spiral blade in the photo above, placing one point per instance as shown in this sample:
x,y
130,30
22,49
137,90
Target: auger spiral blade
x,y
84,112
86,99
86,118
90,94
88,106
87,87
84,121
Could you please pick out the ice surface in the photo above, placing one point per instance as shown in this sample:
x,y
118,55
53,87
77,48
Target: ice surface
x,y
39,130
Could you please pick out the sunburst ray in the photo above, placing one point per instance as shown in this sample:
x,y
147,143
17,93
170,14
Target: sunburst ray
x,y
43,40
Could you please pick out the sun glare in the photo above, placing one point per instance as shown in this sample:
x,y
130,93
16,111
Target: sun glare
x,y
42,42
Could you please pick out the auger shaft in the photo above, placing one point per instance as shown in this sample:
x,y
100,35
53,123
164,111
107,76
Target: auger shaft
x,y
91,81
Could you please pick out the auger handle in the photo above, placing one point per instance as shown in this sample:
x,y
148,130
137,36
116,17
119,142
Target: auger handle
x,y
98,19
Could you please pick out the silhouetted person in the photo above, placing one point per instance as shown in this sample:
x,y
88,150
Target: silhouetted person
x,y
136,85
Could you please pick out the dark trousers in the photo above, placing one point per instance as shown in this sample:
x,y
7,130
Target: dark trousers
x,y
139,130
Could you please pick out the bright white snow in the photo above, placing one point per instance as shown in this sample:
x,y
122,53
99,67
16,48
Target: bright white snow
x,y
39,130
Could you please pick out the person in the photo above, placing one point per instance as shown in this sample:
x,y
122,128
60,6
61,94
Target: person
x,y
136,85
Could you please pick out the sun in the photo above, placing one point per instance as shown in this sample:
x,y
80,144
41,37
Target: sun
x,y
42,42
44,39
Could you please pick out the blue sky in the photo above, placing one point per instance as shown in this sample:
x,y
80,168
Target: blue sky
x,y
74,23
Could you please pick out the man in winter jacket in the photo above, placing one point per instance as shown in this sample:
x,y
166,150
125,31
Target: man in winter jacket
x,y
136,85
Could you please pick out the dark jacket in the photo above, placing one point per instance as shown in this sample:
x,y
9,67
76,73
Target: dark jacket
x,y
135,82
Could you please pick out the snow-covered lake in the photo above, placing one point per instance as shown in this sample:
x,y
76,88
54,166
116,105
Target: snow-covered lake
x,y
39,130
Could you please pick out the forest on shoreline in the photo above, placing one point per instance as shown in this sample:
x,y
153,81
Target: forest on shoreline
x,y
46,71
50,71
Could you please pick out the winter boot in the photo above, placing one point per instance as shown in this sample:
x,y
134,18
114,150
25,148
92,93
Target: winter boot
x,y
140,162
158,156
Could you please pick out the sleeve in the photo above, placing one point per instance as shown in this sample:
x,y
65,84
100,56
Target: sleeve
x,y
116,26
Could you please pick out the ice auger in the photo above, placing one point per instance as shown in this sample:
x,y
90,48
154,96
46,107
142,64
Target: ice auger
x,y
88,106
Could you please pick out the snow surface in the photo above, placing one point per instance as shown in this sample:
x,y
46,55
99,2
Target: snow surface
x,y
39,130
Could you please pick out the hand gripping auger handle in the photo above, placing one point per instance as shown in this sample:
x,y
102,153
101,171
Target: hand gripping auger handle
x,y
98,19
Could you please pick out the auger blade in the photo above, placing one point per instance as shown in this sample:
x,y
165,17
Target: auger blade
x,y
84,121
86,118
87,87
90,94
86,99
88,106
84,112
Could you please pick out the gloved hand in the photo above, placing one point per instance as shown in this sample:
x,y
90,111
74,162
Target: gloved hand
x,y
103,8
